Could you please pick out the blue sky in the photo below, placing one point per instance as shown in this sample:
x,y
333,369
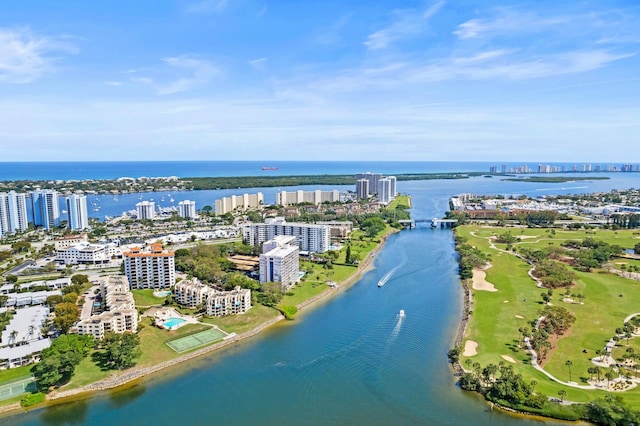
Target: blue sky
x,y
319,80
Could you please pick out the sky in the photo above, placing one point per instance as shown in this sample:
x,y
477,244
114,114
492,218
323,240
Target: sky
x,y
320,80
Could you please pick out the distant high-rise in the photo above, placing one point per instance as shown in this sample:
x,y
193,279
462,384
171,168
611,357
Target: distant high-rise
x,y
504,168
373,179
146,210
493,169
316,197
187,209
242,202
386,188
77,211
362,188
46,208
13,212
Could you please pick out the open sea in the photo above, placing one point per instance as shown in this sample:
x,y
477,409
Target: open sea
x,y
350,360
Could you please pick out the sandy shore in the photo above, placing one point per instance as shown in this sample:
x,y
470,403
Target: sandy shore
x,y
136,373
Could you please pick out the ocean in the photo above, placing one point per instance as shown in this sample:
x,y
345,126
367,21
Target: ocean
x,y
135,169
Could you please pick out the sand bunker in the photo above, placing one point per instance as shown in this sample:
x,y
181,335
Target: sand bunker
x,y
519,316
508,359
470,348
505,301
480,282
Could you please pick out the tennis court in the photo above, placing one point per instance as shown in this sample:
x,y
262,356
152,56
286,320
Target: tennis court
x,y
17,387
198,339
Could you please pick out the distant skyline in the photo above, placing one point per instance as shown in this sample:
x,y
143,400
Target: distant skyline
x,y
495,81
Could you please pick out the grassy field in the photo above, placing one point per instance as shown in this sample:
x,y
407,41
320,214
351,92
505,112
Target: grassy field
x,y
146,298
87,372
14,373
255,316
495,319
304,291
152,342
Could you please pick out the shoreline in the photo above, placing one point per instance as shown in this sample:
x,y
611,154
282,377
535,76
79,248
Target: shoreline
x,y
116,380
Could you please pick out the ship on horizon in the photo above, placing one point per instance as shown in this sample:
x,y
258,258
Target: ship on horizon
x,y
269,168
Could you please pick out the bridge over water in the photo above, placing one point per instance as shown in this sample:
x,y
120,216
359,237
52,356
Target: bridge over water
x,y
435,222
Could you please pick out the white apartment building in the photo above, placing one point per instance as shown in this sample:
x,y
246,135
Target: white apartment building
x,y
372,178
387,189
193,293
77,211
45,208
309,237
118,312
69,241
13,213
362,188
316,197
242,202
187,209
146,210
85,253
279,261
223,303
152,268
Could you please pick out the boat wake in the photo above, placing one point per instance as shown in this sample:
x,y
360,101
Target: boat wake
x,y
387,277
396,329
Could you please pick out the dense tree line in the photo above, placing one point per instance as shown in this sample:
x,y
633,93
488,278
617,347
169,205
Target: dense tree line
x,y
470,257
121,350
499,383
625,221
557,320
553,274
591,253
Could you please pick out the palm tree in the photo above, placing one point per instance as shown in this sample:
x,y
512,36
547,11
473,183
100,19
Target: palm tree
x,y
12,337
568,363
609,375
562,393
468,362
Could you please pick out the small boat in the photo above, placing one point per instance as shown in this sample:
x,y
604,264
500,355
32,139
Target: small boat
x,y
269,168
401,313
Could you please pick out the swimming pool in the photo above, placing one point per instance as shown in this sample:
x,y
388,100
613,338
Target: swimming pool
x,y
173,323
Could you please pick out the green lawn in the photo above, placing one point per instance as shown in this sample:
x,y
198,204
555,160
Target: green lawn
x,y
304,291
494,325
146,298
14,373
86,372
152,342
255,316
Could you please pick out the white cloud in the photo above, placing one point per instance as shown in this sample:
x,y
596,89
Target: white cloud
x,y
259,64
198,72
407,23
26,56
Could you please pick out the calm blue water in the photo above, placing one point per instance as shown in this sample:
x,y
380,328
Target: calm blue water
x,y
113,170
351,360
